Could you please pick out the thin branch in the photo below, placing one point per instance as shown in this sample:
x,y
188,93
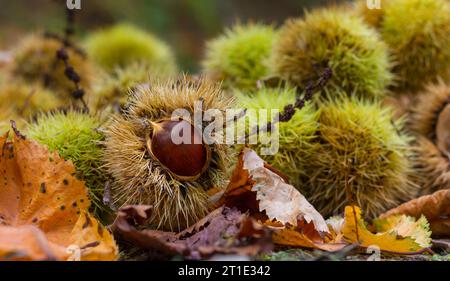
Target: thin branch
x,y
300,102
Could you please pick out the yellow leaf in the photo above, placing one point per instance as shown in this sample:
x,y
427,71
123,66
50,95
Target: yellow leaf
x,y
355,231
406,226
94,241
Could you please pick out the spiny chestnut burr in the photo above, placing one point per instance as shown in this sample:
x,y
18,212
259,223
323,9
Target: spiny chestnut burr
x,y
364,156
75,137
241,55
110,92
429,123
150,167
297,129
185,161
357,56
42,60
123,44
417,33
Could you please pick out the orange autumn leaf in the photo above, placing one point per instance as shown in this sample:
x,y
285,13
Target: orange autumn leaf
x,y
435,207
305,236
27,242
40,197
355,231
92,240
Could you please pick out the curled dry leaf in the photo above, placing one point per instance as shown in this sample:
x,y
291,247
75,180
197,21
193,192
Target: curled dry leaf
x,y
256,187
281,201
130,217
261,190
355,231
43,204
435,207
223,231
239,194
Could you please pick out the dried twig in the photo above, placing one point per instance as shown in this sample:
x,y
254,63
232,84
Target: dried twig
x,y
289,110
62,55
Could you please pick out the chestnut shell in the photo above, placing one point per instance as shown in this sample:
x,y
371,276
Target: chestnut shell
x,y
184,161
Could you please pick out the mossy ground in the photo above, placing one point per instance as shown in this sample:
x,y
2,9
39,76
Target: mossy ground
x,y
312,255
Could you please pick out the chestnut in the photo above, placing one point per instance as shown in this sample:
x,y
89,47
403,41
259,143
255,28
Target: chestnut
x,y
186,160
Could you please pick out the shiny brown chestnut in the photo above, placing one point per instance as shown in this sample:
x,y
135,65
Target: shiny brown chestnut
x,y
185,160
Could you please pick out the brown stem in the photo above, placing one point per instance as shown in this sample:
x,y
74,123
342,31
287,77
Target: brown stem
x,y
300,102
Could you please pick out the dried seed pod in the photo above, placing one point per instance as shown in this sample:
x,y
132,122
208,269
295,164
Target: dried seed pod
x,y
373,17
443,131
427,107
431,166
429,122
400,104
148,168
111,91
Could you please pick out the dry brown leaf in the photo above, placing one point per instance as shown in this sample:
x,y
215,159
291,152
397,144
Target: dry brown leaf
x,y
400,104
27,243
239,194
38,188
281,201
94,241
223,231
306,236
263,191
130,217
293,238
257,188
443,244
435,207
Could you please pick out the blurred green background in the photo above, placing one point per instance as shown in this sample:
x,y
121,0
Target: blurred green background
x,y
184,24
